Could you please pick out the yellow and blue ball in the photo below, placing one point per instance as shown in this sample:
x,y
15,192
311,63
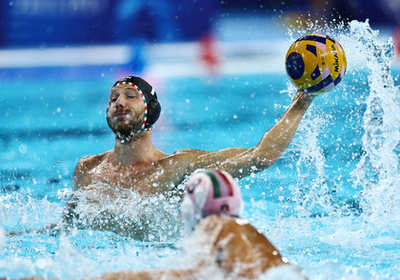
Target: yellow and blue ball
x,y
316,63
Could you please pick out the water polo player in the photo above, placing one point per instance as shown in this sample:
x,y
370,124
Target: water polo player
x,y
135,164
212,205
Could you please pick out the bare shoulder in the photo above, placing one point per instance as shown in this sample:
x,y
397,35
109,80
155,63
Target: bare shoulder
x,y
89,162
220,224
82,168
226,220
237,230
189,152
184,157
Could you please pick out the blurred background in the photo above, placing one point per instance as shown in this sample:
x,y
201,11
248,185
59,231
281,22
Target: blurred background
x,y
48,33
45,23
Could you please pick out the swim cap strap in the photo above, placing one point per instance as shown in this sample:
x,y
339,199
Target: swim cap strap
x,y
128,138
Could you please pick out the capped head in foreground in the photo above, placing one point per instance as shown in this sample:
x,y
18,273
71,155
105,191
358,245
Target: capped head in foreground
x,y
211,192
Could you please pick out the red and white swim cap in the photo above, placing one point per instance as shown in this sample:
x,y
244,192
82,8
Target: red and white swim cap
x,y
211,192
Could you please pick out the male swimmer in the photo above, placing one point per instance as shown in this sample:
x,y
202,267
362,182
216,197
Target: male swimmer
x,y
135,165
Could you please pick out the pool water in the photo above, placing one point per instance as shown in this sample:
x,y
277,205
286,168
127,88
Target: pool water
x,y
330,204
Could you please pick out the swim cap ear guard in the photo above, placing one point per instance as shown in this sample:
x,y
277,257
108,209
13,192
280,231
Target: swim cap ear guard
x,y
150,97
211,193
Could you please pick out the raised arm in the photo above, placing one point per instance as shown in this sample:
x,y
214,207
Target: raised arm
x,y
241,162
276,140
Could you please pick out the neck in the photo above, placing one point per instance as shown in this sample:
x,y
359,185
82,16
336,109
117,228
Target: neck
x,y
138,149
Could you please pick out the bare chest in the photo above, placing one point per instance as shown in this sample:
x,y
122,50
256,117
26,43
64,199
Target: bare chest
x,y
145,179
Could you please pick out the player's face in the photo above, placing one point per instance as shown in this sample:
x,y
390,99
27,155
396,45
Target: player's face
x,y
125,109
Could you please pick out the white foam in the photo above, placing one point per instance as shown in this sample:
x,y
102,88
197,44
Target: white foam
x,y
2,238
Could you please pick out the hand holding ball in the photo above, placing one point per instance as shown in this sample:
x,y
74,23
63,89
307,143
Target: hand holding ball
x,y
315,63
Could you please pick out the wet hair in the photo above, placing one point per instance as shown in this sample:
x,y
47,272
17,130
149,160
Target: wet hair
x,y
149,96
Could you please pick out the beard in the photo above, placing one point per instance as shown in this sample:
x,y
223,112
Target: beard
x,y
125,125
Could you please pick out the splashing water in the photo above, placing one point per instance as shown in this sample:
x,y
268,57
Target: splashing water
x,y
347,168
378,170
154,218
312,195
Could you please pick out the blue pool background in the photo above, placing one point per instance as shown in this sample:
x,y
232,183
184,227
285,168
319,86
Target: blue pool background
x,y
308,204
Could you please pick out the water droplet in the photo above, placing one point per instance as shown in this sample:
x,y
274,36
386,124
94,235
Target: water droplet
x,y
23,148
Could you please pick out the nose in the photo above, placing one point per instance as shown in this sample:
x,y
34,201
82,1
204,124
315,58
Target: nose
x,y
120,103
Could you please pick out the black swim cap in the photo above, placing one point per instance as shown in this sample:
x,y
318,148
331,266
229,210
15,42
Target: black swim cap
x,y
150,96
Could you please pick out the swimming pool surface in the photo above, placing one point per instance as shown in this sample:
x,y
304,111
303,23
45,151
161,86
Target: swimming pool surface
x,y
331,204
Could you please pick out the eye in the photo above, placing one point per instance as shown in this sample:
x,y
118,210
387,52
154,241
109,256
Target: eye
x,y
113,98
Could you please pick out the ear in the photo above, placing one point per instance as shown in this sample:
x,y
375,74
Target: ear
x,y
224,208
154,110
